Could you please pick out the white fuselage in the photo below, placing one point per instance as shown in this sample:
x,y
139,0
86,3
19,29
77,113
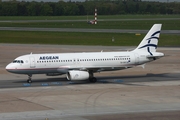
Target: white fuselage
x,y
61,63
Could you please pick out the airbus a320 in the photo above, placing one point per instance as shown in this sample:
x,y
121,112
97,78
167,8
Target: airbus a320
x,y
82,66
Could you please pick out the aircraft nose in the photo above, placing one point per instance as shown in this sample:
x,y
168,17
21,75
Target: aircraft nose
x,y
9,67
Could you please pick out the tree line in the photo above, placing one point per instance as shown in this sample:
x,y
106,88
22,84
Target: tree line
x,y
105,7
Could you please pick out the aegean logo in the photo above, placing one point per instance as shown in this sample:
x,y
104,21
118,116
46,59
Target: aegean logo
x,y
48,57
149,44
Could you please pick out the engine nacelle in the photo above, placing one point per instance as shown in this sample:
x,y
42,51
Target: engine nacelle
x,y
77,75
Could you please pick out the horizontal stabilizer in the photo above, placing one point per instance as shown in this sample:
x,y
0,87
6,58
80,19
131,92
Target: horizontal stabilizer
x,y
156,55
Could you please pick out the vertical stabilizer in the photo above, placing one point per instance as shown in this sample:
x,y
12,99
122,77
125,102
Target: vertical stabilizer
x,y
150,41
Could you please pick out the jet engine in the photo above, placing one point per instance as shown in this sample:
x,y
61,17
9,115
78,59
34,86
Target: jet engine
x,y
77,75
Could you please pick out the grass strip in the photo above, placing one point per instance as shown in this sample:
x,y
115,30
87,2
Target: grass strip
x,y
73,38
136,24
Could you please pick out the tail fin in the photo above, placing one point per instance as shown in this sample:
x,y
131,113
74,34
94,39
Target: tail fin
x,y
150,41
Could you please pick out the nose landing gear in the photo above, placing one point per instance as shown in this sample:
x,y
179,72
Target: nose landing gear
x,y
29,79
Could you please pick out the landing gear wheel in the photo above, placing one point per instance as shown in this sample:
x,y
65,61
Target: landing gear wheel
x,y
93,80
29,81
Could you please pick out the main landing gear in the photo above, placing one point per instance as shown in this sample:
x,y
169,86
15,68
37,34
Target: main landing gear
x,y
29,79
92,79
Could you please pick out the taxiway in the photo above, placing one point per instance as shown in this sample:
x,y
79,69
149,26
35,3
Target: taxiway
x,y
137,93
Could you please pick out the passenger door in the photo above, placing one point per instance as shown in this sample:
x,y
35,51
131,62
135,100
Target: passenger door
x,y
32,62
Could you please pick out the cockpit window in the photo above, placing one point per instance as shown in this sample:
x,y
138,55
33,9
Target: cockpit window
x,y
18,61
15,61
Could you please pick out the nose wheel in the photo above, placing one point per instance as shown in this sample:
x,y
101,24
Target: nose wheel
x,y
29,79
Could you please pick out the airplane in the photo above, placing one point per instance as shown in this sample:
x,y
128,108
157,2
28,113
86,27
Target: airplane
x,y
82,66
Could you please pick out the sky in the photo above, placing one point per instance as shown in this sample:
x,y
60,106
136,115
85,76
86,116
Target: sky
x,y
84,0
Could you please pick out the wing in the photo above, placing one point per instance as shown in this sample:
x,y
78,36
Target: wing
x,y
65,69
